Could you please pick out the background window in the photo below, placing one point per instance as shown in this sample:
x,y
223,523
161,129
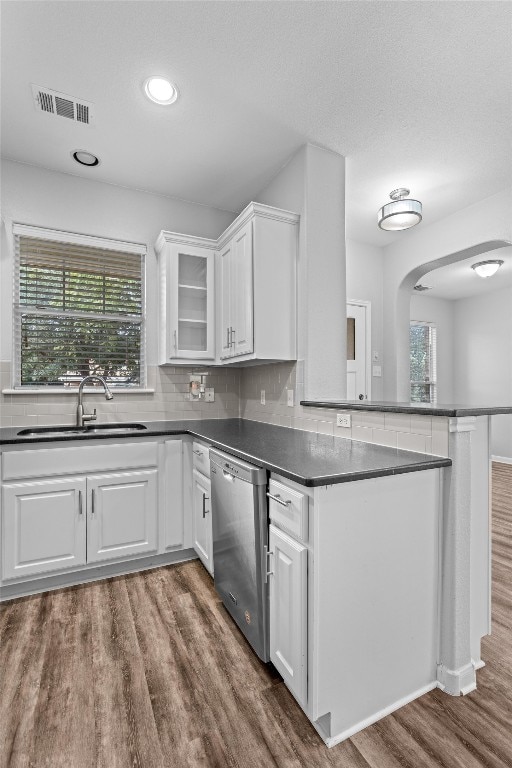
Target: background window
x,y
423,362
78,310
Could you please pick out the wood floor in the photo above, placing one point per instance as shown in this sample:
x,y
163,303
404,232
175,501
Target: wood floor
x,y
147,670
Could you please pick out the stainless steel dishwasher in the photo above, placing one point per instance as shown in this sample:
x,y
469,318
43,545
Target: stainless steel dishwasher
x,y
240,540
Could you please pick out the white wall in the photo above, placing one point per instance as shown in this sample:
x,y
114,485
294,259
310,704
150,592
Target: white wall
x,y
483,358
440,312
313,185
45,198
471,231
365,274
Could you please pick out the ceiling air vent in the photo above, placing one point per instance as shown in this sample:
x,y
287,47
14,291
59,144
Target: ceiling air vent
x,y
62,105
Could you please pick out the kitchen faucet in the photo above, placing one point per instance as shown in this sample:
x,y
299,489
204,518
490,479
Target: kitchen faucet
x,y
80,415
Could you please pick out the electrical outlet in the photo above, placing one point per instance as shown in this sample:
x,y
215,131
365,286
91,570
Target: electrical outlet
x,y
262,398
209,395
377,371
343,420
290,397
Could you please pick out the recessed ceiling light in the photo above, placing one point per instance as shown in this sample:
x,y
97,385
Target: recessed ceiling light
x,y
487,268
160,90
85,158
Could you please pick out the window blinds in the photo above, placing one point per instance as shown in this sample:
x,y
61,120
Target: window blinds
x,y
78,310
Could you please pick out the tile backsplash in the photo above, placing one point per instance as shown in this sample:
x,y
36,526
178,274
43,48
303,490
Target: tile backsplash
x,y
423,434
168,401
237,393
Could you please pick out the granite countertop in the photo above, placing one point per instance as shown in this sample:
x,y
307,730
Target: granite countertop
x,y
307,458
426,409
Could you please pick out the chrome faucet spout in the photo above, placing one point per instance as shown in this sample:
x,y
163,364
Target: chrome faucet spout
x,y
81,417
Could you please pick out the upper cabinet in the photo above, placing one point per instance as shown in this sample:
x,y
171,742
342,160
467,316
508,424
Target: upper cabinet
x,y
254,299
187,304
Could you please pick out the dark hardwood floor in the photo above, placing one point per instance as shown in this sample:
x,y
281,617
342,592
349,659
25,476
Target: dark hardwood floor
x,y
147,670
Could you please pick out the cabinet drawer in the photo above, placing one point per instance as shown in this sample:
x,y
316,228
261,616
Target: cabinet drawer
x,y
45,462
201,458
288,509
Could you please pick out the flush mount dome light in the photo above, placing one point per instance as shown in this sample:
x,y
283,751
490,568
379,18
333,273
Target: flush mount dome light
x,y
487,268
85,158
402,213
160,90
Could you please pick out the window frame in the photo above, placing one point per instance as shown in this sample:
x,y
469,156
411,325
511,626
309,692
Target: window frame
x,y
75,239
432,383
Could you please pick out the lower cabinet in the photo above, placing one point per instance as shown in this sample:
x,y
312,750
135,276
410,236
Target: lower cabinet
x,y
203,542
122,515
44,526
57,524
288,610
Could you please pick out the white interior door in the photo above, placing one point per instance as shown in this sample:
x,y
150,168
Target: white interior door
x,y
356,352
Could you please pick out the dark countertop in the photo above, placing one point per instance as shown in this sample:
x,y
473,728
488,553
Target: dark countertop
x,y
305,457
425,409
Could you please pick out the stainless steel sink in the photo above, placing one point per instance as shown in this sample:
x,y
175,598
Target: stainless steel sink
x,y
99,429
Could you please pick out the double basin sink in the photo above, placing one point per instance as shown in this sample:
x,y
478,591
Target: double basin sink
x,y
100,429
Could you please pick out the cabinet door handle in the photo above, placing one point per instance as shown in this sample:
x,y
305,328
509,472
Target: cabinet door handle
x,y
80,507
232,343
279,500
205,498
266,554
175,334
197,453
228,343
93,501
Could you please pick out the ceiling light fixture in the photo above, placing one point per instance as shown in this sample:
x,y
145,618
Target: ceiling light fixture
x,y
160,90
419,287
402,213
487,268
85,158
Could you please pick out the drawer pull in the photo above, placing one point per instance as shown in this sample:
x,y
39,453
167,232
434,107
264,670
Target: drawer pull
x,y
279,499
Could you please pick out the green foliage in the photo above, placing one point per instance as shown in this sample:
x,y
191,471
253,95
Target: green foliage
x,y
72,344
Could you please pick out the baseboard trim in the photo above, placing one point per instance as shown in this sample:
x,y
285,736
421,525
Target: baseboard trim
x,y
331,741
457,682
501,459
62,580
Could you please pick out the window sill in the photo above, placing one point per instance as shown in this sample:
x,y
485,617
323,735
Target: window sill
x,y
74,392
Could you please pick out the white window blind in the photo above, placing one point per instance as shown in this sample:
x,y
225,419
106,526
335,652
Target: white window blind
x,y
423,366
78,310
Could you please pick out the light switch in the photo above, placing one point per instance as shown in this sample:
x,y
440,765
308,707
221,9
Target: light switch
x,y
375,356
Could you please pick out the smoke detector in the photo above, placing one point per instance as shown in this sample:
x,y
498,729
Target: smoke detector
x,y
62,105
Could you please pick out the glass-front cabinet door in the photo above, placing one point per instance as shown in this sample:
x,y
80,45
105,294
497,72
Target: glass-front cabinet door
x,y
191,303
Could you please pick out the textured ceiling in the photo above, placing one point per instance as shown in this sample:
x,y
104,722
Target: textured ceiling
x,y
414,94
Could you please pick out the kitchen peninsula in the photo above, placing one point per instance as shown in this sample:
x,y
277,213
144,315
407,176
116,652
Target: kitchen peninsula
x,y
364,562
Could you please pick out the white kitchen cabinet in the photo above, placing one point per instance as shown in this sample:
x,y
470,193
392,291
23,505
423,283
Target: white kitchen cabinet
x,y
256,287
254,300
187,310
121,515
236,294
203,541
44,526
288,610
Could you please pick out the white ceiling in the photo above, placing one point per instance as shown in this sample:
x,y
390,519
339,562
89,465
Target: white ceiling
x,y
414,94
459,281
